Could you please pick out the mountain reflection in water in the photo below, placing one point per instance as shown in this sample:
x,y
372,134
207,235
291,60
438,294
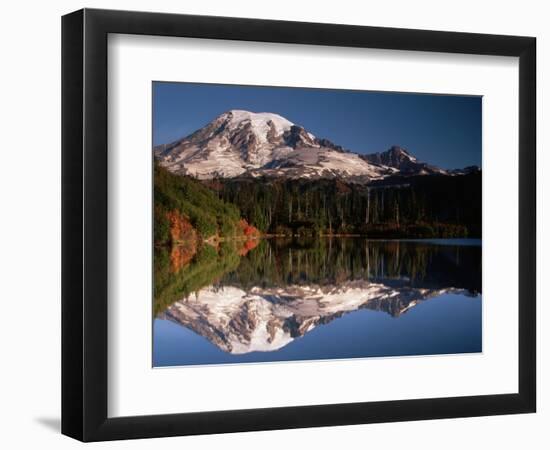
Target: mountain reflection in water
x,y
283,289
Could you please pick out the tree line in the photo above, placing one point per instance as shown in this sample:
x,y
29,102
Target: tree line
x,y
422,206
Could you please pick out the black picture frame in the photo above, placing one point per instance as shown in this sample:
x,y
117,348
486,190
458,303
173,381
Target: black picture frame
x,y
84,224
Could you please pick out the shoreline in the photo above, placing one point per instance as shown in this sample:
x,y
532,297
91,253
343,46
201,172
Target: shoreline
x,y
364,236
214,240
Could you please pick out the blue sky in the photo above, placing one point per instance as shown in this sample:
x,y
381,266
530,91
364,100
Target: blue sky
x,y
444,130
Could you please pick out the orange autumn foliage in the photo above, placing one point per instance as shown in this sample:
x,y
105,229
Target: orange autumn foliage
x,y
180,227
247,229
248,245
184,240
181,255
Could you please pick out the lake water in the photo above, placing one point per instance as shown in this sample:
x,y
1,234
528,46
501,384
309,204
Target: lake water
x,y
296,299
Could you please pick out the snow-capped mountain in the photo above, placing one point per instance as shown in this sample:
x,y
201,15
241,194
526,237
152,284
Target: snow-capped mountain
x,y
243,143
267,319
399,158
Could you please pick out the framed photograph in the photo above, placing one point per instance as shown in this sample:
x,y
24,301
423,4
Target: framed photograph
x,y
274,224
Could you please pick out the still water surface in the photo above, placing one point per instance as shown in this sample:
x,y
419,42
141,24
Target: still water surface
x,y
295,299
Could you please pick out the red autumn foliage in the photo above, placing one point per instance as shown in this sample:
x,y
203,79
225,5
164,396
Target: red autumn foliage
x,y
248,245
248,230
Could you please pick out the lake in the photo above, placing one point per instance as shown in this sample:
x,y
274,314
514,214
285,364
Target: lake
x,y
291,299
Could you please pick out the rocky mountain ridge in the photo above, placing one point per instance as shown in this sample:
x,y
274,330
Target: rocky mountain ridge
x,y
242,143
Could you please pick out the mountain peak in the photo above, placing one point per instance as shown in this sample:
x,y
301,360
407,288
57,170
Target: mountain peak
x,y
263,120
397,151
394,157
240,142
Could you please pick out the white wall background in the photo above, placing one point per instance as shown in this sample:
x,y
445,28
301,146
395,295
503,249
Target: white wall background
x,y
30,222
